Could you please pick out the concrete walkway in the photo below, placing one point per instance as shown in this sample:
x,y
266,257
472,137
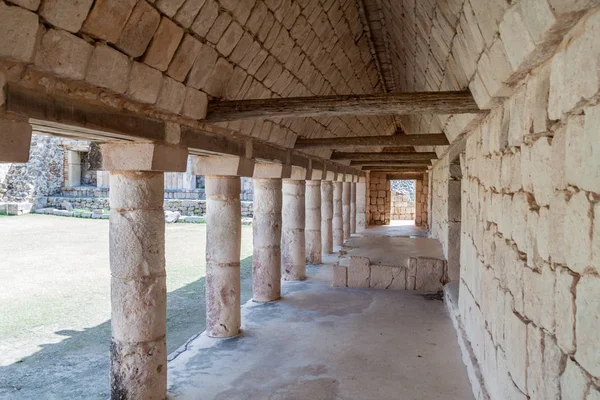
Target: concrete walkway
x,y
328,343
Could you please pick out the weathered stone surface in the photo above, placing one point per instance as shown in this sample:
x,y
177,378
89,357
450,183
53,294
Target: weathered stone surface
x,y
63,54
590,149
184,58
516,349
573,382
230,39
65,14
163,45
15,140
565,309
587,326
143,157
172,96
337,219
383,277
359,272
312,230
218,78
144,83
293,250
138,31
204,64
195,103
18,33
340,276
553,365
541,171
578,232
108,69
108,18
28,4
535,370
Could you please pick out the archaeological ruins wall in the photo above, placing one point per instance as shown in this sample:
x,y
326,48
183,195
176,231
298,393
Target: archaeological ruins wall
x,y
380,200
528,182
402,206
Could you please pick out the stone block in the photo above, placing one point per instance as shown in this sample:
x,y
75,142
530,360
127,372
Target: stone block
x,y
218,78
553,365
359,272
108,69
587,325
195,104
516,348
384,277
204,64
226,166
172,96
66,14
542,171
578,233
574,151
28,4
339,276
15,140
427,274
138,31
230,39
144,83
142,157
108,18
164,44
169,7
565,309
538,18
596,239
535,367
590,151
573,382
558,211
184,58
63,54
19,30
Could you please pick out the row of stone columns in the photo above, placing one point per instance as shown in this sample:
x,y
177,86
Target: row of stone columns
x,y
295,222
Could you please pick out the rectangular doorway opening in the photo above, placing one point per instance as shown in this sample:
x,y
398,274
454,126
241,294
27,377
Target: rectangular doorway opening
x,y
403,207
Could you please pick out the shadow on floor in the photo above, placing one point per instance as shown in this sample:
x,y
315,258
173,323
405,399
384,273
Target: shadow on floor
x,y
77,367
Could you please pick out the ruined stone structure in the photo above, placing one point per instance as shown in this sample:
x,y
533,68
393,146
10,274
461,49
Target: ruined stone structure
x,y
490,106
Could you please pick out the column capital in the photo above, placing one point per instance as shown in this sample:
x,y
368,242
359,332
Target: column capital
x,y
139,156
272,170
298,173
15,140
223,166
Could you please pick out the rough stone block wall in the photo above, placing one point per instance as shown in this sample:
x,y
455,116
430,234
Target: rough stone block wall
x,y
380,199
171,57
530,222
421,200
402,206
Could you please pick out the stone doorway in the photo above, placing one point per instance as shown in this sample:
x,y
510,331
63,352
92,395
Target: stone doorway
x,y
402,207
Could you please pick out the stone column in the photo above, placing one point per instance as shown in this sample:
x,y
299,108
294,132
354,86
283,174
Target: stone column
x,y
353,207
361,206
312,231
326,217
293,251
266,231
337,222
138,354
223,241
138,347
346,209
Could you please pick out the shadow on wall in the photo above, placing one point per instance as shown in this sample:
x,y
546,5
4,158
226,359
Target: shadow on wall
x,y
78,366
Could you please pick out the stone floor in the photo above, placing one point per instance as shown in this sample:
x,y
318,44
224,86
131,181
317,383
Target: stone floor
x,y
396,228
320,342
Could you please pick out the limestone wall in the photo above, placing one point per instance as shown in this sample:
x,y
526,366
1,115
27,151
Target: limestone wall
x,y
402,206
421,201
530,189
380,199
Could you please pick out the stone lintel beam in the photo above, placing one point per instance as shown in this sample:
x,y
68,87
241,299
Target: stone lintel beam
x,y
223,166
357,105
329,176
391,163
404,175
140,156
272,171
15,140
427,139
69,117
383,156
298,173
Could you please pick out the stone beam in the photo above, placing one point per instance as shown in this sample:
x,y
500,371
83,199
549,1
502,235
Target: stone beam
x,y
356,105
223,166
127,156
404,175
383,156
394,169
429,139
66,117
15,139
391,163
272,171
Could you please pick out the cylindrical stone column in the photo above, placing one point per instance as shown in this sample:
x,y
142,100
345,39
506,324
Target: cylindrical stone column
x,y
266,230
326,217
223,241
138,350
293,251
353,207
312,230
337,222
361,206
346,209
